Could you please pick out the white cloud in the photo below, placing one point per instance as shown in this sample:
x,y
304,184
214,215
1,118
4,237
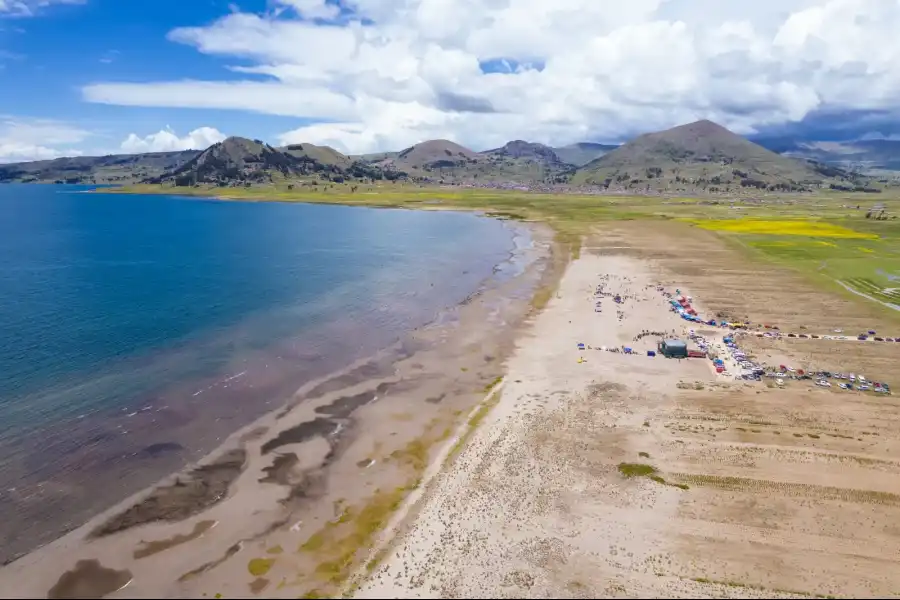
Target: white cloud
x,y
399,71
37,139
28,8
313,9
166,140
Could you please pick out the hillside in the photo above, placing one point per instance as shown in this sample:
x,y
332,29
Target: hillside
x,y
240,160
526,150
582,153
861,155
443,161
695,158
323,154
703,156
114,168
427,156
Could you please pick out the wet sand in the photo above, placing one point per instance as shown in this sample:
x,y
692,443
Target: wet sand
x,y
240,521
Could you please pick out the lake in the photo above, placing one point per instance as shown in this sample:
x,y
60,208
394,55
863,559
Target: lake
x,y
137,332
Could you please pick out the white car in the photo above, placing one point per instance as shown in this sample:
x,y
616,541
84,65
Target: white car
x,y
823,383
843,386
862,387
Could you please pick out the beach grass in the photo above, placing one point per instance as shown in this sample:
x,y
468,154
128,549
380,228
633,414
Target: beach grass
x,y
636,470
476,418
338,545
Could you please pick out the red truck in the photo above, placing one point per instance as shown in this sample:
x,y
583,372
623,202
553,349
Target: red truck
x,y
696,354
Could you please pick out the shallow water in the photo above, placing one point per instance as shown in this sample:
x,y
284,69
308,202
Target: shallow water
x,y
137,332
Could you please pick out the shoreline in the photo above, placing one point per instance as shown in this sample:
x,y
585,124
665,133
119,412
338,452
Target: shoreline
x,y
189,404
296,474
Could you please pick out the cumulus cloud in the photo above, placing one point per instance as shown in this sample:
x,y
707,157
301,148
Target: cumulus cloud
x,y
28,8
166,140
37,139
382,74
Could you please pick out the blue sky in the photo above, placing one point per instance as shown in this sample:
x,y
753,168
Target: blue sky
x,y
98,76
47,58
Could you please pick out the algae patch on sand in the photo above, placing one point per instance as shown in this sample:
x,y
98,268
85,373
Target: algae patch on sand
x,y
260,566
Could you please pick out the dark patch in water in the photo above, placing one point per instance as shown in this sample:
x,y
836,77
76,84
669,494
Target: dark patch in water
x,y
379,366
154,450
435,399
259,584
299,434
364,463
232,550
280,469
102,437
89,579
345,405
360,374
201,488
254,434
150,548
312,486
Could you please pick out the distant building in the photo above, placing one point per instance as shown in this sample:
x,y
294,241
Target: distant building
x,y
673,349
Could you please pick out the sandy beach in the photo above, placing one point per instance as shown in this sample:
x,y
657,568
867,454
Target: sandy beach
x,y
343,452
602,474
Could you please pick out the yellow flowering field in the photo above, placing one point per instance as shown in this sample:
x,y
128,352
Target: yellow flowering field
x,y
801,228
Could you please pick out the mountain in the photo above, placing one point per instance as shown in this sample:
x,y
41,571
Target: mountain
x,y
704,156
526,150
323,154
113,168
861,155
240,160
698,157
443,161
582,153
433,154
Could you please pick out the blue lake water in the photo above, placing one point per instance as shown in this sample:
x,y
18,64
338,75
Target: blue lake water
x,y
127,321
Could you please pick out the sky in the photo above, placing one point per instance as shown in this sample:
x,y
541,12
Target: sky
x,y
86,77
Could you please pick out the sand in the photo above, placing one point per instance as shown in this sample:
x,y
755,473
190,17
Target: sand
x,y
755,492
585,473
345,448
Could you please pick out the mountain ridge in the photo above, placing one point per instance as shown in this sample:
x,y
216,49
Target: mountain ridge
x,y
706,155
699,156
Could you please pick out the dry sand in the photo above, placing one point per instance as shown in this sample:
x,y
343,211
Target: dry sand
x,y
760,492
329,467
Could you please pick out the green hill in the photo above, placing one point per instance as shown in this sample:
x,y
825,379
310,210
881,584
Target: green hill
x,y
323,154
702,156
239,160
113,168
